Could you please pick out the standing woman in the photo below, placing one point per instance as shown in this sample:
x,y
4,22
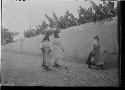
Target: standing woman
x,y
46,50
97,53
96,49
58,50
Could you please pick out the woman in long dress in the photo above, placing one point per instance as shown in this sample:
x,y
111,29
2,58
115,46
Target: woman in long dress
x,y
46,50
57,50
96,49
97,54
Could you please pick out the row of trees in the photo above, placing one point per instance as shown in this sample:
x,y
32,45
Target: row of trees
x,y
92,14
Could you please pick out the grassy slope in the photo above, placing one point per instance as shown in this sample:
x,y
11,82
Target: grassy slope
x,y
77,40
23,69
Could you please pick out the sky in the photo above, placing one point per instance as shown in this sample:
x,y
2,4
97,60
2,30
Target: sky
x,y
16,14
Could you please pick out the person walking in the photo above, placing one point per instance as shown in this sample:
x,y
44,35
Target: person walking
x,y
57,50
46,51
97,54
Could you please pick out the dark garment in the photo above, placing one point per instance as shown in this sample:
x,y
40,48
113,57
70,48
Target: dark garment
x,y
89,59
96,50
92,63
89,62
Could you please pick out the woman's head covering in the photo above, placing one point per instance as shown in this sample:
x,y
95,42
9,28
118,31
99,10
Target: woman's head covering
x,y
96,37
56,34
46,38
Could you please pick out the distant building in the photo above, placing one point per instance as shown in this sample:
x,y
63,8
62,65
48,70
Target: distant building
x,y
6,36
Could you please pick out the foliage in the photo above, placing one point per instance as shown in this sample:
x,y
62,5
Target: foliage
x,y
51,21
94,13
39,29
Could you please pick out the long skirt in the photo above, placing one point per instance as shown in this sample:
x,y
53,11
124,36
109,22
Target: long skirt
x,y
46,56
58,56
96,55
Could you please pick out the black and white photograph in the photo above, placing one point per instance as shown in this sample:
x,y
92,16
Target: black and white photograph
x,y
60,43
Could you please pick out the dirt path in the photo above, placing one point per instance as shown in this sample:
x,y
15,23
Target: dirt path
x,y
25,70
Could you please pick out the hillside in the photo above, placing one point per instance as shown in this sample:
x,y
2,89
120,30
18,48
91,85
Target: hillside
x,y
77,40
24,69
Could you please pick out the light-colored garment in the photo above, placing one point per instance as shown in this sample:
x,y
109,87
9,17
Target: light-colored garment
x,y
57,51
46,45
92,59
103,58
95,42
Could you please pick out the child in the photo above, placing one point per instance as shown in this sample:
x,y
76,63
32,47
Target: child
x,y
90,60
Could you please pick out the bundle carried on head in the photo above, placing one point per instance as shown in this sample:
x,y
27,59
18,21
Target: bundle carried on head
x,y
56,33
47,32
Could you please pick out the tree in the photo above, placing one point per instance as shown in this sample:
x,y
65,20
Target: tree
x,y
68,19
41,28
98,10
51,21
57,23
104,10
85,15
92,14
44,25
61,22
